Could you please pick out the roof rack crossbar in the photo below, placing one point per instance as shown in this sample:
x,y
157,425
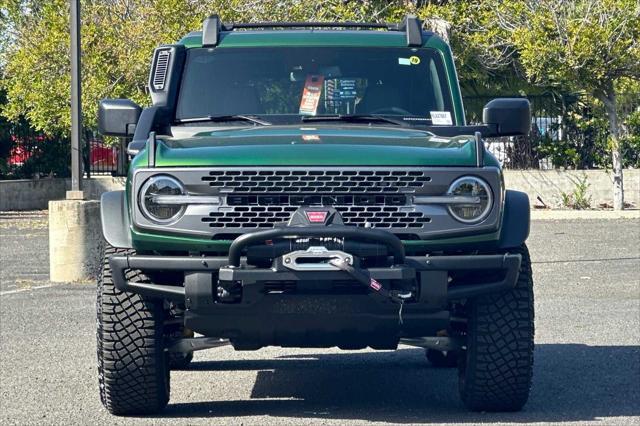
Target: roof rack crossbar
x,y
212,27
231,26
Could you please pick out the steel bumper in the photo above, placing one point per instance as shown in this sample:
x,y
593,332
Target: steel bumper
x,y
313,313
426,268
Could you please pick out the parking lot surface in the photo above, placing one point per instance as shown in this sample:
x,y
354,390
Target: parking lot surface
x,y
587,358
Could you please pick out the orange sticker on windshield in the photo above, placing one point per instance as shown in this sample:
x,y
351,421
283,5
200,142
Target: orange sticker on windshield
x,y
311,95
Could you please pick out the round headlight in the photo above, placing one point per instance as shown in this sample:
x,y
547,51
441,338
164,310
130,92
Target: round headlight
x,y
469,186
151,203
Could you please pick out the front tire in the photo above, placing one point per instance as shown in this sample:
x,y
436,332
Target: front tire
x,y
133,369
496,368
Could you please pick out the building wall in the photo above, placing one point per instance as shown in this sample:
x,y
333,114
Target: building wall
x,y
548,185
35,194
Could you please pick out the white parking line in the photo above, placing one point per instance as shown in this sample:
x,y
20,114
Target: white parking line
x,y
20,290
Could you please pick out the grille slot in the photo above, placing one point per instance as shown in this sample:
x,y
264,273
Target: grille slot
x,y
269,216
316,181
160,72
326,200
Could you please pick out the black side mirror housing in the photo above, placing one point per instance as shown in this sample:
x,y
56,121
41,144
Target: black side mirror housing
x,y
507,116
118,117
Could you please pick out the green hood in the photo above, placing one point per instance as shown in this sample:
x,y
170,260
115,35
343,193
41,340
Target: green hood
x,y
316,145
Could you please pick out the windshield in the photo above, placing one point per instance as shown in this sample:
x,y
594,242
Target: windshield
x,y
285,84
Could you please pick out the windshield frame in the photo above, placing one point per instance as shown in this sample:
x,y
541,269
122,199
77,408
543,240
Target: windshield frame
x,y
445,71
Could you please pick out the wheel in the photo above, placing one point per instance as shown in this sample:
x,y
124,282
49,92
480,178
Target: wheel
x,y
133,369
441,359
496,368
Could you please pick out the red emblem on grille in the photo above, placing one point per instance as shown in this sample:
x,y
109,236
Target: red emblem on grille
x,y
316,217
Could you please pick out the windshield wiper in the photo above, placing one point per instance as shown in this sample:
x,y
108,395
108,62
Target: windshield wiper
x,y
354,118
223,118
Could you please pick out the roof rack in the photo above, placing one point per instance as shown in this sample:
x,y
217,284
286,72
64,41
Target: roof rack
x,y
213,26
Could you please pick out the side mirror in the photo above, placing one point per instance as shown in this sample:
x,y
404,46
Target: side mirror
x,y
508,116
118,117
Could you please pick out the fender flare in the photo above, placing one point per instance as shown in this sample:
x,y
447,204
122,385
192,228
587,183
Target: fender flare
x,y
115,219
516,220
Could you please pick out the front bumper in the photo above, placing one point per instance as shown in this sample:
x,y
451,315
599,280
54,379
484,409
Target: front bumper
x,y
282,307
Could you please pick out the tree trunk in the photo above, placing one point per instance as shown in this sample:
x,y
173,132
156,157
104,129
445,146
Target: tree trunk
x,y
608,98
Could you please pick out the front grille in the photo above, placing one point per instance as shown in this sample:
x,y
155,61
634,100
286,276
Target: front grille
x,y
257,199
269,216
316,181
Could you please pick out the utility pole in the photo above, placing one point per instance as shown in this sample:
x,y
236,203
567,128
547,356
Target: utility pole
x,y
76,105
75,234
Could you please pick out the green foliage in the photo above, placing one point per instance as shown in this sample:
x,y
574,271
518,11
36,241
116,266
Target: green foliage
x,y
579,45
578,199
469,46
118,39
584,144
630,143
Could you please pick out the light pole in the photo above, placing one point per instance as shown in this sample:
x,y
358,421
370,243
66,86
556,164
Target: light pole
x,y
76,105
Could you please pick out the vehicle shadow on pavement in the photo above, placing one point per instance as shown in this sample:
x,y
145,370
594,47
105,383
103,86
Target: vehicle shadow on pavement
x,y
572,382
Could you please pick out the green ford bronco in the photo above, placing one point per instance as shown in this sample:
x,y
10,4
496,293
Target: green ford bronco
x,y
312,185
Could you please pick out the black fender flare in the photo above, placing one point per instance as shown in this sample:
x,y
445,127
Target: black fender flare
x,y
516,220
114,216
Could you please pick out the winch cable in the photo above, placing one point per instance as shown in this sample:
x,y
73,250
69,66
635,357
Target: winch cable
x,y
362,277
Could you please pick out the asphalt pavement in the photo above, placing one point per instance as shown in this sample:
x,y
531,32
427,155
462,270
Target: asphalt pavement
x,y
587,358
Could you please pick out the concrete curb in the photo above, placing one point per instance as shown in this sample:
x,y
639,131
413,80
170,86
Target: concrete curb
x,y
584,214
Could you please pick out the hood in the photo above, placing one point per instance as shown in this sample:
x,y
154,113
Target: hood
x,y
316,146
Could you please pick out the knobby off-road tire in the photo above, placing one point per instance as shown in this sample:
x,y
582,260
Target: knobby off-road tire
x,y
496,369
133,369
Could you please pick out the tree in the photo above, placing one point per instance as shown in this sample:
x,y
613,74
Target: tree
x,y
580,45
118,38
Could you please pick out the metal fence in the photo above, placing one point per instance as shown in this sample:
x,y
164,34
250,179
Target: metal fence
x,y
521,152
26,154
104,159
567,131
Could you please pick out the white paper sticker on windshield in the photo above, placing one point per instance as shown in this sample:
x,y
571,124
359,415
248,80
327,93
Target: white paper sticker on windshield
x,y
404,61
441,118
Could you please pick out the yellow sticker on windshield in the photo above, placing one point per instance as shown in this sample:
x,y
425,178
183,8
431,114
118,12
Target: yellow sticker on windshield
x,y
414,60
